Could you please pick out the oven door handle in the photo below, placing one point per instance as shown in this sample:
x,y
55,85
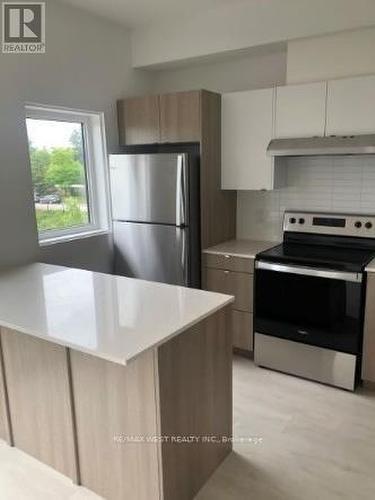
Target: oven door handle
x,y
310,271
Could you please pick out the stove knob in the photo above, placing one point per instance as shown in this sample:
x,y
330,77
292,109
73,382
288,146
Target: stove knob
x,y
301,220
368,225
358,224
292,220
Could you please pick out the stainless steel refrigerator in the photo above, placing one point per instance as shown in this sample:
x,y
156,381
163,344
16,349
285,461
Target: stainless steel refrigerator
x,y
156,215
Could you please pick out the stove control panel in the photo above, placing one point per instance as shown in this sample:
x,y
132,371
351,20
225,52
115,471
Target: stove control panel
x,y
333,224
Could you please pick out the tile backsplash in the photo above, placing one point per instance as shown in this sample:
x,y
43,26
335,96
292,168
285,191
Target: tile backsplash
x,y
333,184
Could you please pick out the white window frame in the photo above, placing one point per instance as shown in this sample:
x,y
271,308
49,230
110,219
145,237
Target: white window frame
x,y
96,165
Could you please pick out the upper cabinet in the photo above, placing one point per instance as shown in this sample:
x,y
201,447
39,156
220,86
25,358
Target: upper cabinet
x,y
247,128
251,119
180,118
351,106
160,119
139,121
300,110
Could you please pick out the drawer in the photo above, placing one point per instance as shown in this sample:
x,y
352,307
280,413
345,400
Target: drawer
x,y
238,284
228,262
242,327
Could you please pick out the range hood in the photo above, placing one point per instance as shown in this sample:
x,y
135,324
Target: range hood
x,y
322,146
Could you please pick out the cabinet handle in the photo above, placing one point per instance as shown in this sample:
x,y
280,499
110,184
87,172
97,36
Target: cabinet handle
x,y
226,272
227,256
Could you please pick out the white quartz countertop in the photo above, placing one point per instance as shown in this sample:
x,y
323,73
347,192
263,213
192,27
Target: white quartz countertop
x,y
111,317
247,249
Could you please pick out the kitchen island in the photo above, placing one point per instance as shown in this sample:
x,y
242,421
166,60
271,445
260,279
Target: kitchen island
x,y
123,385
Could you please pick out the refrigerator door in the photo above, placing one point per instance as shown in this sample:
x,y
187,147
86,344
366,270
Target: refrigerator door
x,y
150,188
152,252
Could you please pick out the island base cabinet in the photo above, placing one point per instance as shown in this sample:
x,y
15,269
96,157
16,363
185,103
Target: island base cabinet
x,y
40,407
134,422
116,408
5,429
195,385
156,428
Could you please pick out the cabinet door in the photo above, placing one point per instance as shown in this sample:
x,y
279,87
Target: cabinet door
x,y
247,128
351,106
180,117
368,361
138,119
301,110
242,326
238,284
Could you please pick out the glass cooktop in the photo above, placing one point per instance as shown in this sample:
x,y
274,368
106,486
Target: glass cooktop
x,y
341,258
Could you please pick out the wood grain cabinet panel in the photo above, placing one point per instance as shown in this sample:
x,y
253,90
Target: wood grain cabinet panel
x,y
5,432
238,284
368,360
242,327
195,379
180,117
229,262
139,120
39,392
113,403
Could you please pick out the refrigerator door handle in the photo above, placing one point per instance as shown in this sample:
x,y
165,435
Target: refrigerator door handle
x,y
184,259
181,191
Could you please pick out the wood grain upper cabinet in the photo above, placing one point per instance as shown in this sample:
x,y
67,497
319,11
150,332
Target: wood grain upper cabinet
x,y
247,128
139,120
351,106
368,361
301,110
180,117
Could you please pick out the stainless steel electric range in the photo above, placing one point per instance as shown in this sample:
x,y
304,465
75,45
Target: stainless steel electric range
x,y
310,297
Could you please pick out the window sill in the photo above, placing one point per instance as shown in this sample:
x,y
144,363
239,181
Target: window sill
x,y
45,242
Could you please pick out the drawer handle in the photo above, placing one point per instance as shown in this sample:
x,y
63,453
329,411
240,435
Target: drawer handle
x,y
226,272
227,256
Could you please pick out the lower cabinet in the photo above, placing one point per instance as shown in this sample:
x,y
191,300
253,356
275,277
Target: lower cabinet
x,y
233,283
242,324
5,431
233,276
368,358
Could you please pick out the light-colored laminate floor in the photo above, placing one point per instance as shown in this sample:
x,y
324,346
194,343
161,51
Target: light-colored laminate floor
x,y
317,443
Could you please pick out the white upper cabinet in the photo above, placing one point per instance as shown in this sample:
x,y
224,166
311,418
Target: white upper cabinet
x,y
247,128
301,110
351,106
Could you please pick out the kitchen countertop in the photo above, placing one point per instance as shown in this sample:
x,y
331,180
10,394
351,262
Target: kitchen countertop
x,y
110,317
247,249
370,268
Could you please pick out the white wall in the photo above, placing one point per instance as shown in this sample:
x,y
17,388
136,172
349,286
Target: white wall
x,y
332,56
87,65
238,25
259,69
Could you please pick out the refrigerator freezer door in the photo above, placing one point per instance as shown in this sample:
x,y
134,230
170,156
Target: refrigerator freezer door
x,y
149,188
152,252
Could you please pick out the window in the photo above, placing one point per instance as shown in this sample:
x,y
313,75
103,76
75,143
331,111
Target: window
x,y
69,173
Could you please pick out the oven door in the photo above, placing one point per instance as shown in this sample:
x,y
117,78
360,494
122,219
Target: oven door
x,y
320,307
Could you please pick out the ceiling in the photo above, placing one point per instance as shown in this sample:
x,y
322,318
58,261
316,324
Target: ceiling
x,y
165,32
135,13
